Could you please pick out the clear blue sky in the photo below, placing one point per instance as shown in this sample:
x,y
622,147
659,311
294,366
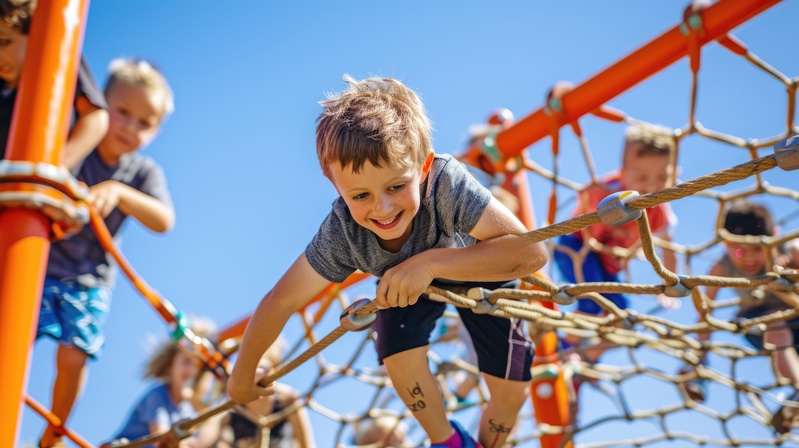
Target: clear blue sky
x,y
240,160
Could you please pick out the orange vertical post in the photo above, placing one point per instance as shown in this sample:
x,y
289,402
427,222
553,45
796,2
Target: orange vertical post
x,y
38,132
548,390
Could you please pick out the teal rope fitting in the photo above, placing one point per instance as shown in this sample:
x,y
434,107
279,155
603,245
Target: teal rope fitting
x,y
554,106
351,321
490,149
613,210
181,326
678,290
787,153
694,22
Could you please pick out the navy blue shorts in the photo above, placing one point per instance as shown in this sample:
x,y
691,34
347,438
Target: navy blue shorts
x,y
593,271
502,346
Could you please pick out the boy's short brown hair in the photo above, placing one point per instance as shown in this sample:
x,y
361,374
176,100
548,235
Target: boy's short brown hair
x,y
18,13
748,218
379,120
644,139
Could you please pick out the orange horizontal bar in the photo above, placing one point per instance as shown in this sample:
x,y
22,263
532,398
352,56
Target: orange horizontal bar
x,y
237,329
717,19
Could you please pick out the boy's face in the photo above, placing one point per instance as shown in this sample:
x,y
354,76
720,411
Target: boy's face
x,y
383,200
748,258
13,45
645,174
135,114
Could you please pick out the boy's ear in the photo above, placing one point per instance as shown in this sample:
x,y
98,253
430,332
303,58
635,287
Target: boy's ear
x,y
427,165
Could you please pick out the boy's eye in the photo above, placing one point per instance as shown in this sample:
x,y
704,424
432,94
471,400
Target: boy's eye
x,y
396,187
361,196
4,42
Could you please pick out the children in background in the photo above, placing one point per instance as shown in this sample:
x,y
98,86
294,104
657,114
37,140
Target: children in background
x,y
77,290
169,401
90,122
293,431
646,168
407,216
746,260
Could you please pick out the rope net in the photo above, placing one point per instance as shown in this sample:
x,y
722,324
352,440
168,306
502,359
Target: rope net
x,y
645,349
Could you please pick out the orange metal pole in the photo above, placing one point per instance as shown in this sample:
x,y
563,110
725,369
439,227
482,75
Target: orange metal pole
x,y
236,330
38,131
718,19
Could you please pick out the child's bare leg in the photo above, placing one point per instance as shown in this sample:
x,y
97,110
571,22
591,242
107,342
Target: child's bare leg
x,y
71,371
418,389
464,387
786,357
499,416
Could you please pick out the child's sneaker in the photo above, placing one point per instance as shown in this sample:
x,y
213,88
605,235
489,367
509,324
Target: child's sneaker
x,y
466,439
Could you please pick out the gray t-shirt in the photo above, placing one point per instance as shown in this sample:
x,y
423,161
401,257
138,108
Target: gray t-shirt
x,y
80,257
452,201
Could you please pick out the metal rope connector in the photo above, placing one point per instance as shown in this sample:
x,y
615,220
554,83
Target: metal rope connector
x,y
613,210
678,290
562,297
480,296
787,153
50,189
351,321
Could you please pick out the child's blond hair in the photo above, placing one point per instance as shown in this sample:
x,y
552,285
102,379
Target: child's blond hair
x,y
141,73
644,139
378,120
158,365
18,13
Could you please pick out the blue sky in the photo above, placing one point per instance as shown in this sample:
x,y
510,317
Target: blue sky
x,y
240,160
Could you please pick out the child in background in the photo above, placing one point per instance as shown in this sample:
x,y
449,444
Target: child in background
x,y
169,400
407,216
746,260
646,168
90,122
382,432
77,289
293,431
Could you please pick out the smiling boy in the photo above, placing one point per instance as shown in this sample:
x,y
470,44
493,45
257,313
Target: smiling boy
x,y
407,216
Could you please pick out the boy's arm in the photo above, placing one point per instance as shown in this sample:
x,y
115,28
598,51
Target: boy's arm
x,y
151,212
87,132
297,286
501,254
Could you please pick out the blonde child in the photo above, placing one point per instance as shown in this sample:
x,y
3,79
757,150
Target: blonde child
x,y
407,216
122,183
646,168
293,431
169,400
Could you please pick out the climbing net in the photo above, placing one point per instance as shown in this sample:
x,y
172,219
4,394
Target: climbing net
x,y
650,347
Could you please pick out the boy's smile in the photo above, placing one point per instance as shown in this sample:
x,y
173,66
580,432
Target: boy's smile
x,y
381,199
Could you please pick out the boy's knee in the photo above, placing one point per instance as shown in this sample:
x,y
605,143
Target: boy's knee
x,y
71,358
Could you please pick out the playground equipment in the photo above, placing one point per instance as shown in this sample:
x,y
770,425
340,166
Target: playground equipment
x,y
31,219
